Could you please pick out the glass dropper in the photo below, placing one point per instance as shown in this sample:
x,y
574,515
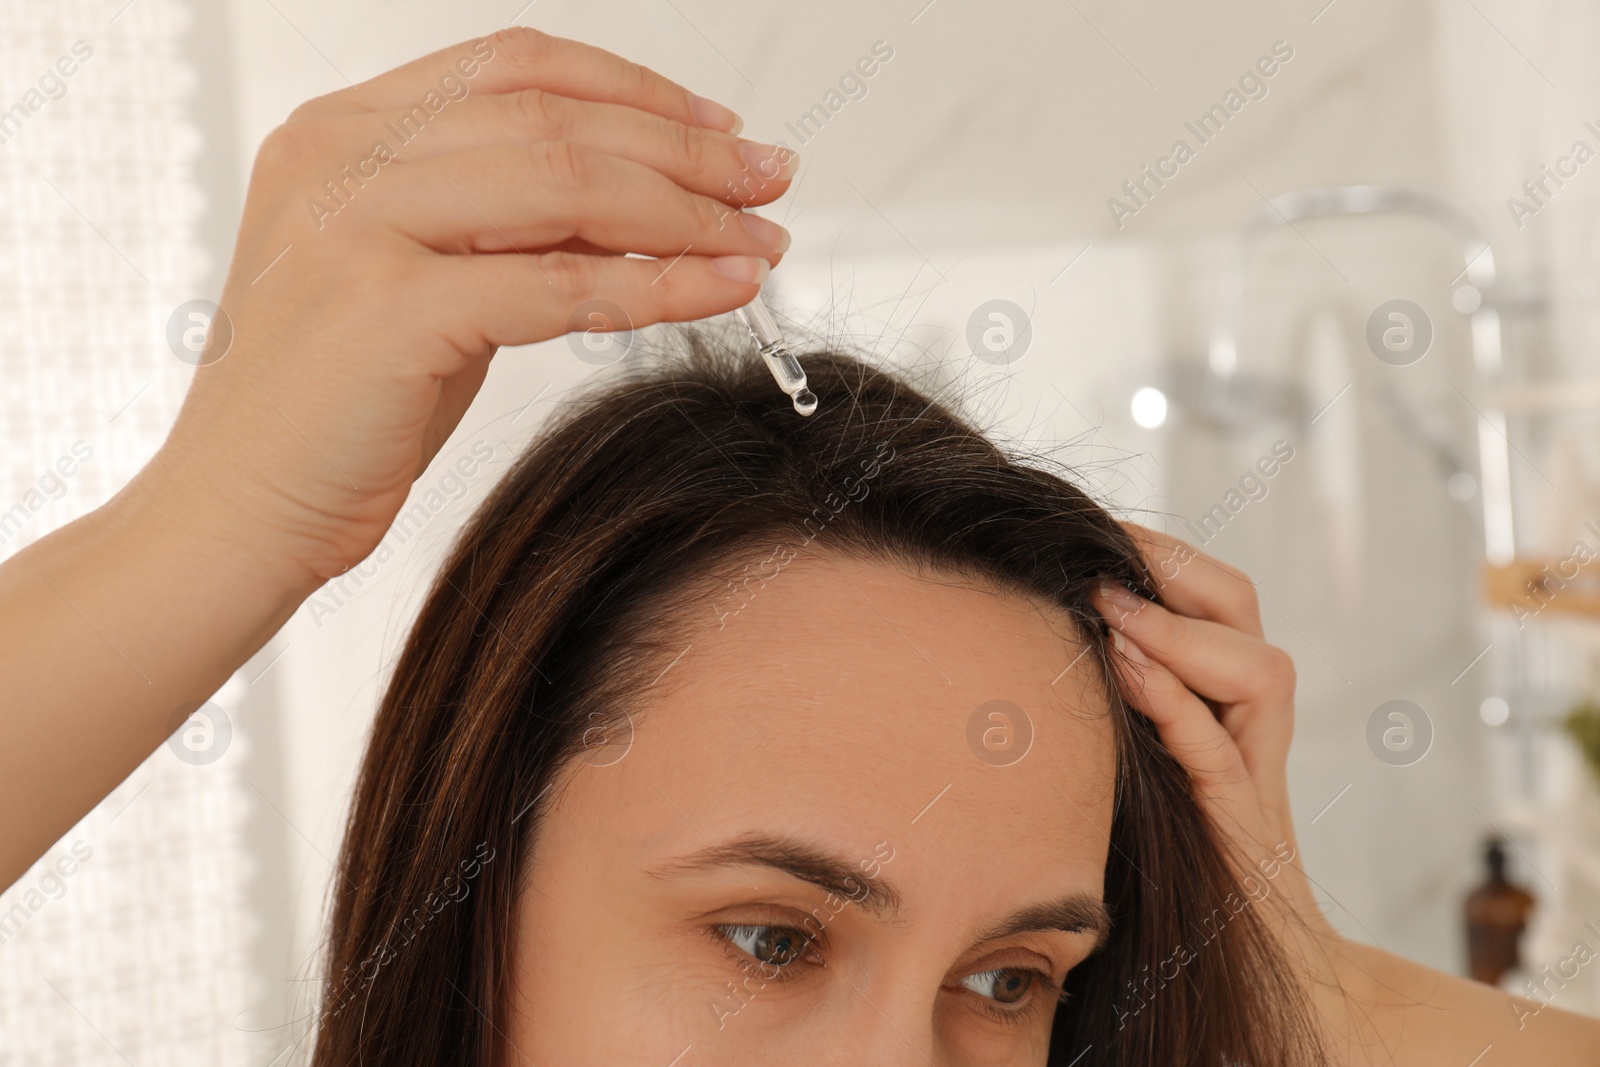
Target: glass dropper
x,y
786,370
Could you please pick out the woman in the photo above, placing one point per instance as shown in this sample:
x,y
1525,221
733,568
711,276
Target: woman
x,y
723,735
702,672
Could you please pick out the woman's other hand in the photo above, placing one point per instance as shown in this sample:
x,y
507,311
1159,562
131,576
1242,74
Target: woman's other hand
x,y
1206,651
398,232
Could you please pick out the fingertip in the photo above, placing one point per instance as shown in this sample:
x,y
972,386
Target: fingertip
x,y
1116,601
1129,648
713,115
746,269
769,233
769,162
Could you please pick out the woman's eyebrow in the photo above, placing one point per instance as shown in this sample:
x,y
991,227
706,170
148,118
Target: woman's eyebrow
x,y
832,872
1076,913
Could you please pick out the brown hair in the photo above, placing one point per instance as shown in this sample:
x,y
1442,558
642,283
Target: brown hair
x,y
540,619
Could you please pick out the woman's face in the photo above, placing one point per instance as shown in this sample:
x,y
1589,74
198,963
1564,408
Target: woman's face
x,y
825,844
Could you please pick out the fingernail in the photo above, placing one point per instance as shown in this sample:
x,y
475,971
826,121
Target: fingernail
x,y
770,161
1128,649
714,116
1122,598
767,232
748,269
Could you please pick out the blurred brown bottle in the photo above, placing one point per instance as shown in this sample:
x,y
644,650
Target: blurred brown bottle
x,y
1496,913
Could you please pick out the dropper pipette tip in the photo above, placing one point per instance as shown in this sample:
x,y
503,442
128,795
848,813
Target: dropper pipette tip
x,y
786,370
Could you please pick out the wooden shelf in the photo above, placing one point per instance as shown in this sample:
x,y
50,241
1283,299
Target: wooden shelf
x,y
1532,587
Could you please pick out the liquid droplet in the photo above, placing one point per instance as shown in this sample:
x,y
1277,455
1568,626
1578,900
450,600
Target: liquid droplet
x,y
805,402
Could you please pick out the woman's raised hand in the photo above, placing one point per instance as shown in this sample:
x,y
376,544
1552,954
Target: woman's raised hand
x,y
1207,645
1205,650
398,232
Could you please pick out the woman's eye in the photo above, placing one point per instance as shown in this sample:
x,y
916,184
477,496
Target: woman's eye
x,y
774,946
1007,985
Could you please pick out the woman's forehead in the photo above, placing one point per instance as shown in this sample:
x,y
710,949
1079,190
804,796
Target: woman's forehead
x,y
853,701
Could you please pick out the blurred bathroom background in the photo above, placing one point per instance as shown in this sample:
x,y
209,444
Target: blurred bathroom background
x,y
1371,270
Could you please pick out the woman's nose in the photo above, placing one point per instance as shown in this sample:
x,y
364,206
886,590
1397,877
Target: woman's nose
x,y
880,1026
